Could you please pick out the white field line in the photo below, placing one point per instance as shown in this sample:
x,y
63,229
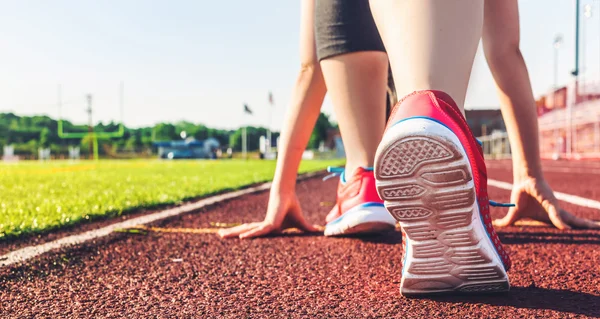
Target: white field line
x,y
580,201
29,252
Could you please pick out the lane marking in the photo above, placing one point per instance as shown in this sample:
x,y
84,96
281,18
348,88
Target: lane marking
x,y
26,253
576,200
555,169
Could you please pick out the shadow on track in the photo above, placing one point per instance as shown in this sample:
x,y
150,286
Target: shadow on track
x,y
391,237
549,238
565,301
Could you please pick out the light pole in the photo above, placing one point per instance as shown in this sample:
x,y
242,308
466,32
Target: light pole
x,y
88,98
587,13
558,40
575,73
268,144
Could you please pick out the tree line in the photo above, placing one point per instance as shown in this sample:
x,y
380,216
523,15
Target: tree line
x,y
27,134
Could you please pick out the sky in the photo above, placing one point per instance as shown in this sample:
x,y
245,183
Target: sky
x,y
200,60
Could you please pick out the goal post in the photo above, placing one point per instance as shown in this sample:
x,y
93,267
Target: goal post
x,y
92,134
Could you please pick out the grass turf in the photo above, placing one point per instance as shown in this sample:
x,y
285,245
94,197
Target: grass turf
x,y
37,197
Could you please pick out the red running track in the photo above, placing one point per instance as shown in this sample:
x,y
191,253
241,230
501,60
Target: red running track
x,y
555,273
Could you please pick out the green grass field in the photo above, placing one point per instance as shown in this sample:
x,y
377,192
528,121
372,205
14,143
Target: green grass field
x,y
37,197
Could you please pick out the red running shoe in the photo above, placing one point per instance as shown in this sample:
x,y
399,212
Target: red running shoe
x,y
358,209
431,173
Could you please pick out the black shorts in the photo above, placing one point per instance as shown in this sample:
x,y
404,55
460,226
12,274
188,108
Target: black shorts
x,y
345,26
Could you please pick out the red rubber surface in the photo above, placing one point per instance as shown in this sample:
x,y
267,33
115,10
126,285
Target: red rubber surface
x,y
555,273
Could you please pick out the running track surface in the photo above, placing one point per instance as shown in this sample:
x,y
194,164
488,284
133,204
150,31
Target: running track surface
x,y
555,274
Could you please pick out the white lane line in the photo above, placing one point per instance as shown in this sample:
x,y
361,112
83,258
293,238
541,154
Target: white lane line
x,y
29,252
580,201
556,169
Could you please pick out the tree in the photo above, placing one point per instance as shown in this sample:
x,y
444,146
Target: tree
x,y
319,133
164,132
27,133
45,138
253,135
200,132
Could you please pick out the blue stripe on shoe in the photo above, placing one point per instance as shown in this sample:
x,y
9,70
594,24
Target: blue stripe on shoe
x,y
364,205
488,235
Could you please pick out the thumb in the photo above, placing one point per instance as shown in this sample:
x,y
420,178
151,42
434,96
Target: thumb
x,y
511,217
299,219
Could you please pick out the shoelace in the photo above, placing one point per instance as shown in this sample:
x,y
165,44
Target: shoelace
x,y
335,171
496,204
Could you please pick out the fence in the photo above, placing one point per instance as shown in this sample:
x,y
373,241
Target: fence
x,y
573,132
569,130
495,145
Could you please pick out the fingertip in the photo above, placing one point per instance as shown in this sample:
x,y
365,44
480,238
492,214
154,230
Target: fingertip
x,y
560,224
556,219
221,233
564,227
225,235
244,236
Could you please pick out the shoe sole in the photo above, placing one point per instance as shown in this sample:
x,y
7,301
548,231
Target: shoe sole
x,y
361,220
424,177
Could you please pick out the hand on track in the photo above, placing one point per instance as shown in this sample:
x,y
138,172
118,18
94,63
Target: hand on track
x,y
283,212
535,199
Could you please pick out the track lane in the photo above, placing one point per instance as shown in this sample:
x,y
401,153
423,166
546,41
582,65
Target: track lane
x,y
200,275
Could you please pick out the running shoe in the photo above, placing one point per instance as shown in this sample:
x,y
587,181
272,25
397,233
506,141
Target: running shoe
x,y
358,208
431,174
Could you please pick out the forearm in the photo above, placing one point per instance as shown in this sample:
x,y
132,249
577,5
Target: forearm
x,y
501,37
518,110
298,125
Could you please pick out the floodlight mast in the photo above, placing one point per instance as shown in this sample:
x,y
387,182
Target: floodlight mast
x,y
92,147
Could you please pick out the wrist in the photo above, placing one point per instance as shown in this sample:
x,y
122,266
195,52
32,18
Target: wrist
x,y
523,170
283,186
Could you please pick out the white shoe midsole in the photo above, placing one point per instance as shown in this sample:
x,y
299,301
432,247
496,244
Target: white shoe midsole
x,y
362,214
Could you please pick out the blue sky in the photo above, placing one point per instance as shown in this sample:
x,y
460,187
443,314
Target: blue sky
x,y
200,60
